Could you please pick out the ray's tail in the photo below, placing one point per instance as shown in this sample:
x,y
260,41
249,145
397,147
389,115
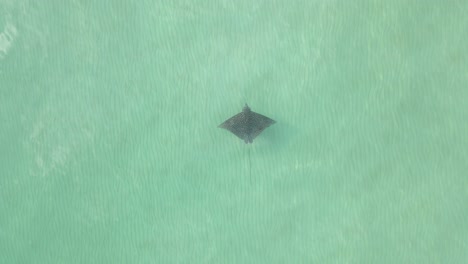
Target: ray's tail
x,y
250,167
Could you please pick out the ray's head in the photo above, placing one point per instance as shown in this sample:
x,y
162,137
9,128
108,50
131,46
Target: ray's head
x,y
246,108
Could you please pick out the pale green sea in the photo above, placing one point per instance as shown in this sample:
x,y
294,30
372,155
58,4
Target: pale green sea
x,y
110,151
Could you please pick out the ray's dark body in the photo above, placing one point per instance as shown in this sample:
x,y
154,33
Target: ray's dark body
x,y
247,124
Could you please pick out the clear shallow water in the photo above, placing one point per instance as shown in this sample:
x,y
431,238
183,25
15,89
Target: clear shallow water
x,y
110,151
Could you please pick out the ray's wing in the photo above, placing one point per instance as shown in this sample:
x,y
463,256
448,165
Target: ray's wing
x,y
237,125
258,123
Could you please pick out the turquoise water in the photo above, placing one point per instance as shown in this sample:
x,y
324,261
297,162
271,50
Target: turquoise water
x,y
110,151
